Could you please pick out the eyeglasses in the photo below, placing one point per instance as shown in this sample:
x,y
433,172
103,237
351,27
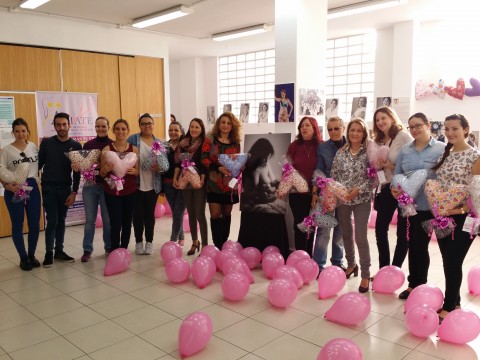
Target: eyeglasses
x,y
331,129
146,124
415,127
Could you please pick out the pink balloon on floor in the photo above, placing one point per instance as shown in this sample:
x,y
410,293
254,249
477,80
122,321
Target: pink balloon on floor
x,y
177,270
237,264
308,268
194,333
395,218
372,219
421,320
224,255
169,251
289,273
297,255
331,280
270,249
474,280
235,286
340,349
252,256
168,210
459,327
388,279
270,263
281,292
232,245
425,295
159,211
349,309
203,270
210,251
117,262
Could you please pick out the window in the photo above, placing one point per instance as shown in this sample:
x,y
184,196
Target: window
x,y
247,78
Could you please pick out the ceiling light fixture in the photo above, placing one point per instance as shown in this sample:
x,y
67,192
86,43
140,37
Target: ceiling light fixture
x,y
361,7
162,16
33,4
238,33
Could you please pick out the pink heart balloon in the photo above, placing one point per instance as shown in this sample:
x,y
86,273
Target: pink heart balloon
x,y
203,270
117,262
459,327
84,159
376,152
349,309
458,91
121,162
194,333
331,280
388,279
177,270
270,263
169,251
235,286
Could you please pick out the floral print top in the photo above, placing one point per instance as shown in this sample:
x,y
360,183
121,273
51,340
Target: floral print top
x,y
457,167
211,148
351,171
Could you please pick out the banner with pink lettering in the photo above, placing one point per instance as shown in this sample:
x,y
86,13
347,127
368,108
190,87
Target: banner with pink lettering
x,y
82,108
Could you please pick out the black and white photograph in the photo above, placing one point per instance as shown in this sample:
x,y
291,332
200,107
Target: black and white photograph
x,y
244,112
331,108
311,102
263,112
359,107
262,173
227,108
384,101
211,115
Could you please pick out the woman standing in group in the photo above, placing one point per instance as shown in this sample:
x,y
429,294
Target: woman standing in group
x,y
120,202
457,166
388,130
195,199
12,155
349,168
93,195
173,195
149,184
303,155
422,153
224,139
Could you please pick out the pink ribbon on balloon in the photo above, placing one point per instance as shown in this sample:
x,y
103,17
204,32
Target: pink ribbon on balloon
x,y
309,223
322,184
186,164
158,147
116,179
89,175
22,194
404,200
441,222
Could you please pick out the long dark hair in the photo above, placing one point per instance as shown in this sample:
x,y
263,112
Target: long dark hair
x,y
260,151
465,125
202,126
394,129
317,136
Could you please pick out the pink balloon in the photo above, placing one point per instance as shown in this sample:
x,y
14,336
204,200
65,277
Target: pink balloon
x,y
308,268
297,255
159,211
203,270
289,273
421,320
388,279
169,251
349,309
222,256
394,218
235,286
98,220
340,349
270,263
232,245
237,264
372,219
281,292
210,251
117,262
459,327
252,256
474,280
331,280
177,270
194,333
425,295
270,249
168,210
121,165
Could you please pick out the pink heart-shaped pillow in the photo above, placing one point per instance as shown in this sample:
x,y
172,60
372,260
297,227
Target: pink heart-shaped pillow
x,y
458,91
475,194
18,176
188,177
295,180
444,197
121,162
84,159
422,90
439,89
377,152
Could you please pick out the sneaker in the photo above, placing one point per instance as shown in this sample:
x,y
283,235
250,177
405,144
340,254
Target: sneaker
x,y
48,262
139,248
87,256
34,262
25,264
62,256
148,248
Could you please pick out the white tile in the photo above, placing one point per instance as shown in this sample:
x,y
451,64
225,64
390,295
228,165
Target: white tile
x,y
144,319
15,317
56,273
376,348
156,293
287,347
76,283
74,320
24,336
248,306
35,294
118,305
283,319
165,337
320,331
54,349
182,304
132,348
395,331
443,350
95,294
222,317
17,284
132,282
7,303
53,306
217,349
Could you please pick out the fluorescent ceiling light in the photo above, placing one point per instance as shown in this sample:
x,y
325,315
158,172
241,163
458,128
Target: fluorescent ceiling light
x,y
162,16
234,34
33,4
361,7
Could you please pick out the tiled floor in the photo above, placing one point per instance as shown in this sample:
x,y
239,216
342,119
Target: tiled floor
x,y
71,311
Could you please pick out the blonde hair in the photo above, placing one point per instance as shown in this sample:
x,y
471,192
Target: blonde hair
x,y
234,135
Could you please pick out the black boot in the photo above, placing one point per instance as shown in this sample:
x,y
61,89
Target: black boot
x,y
216,225
227,220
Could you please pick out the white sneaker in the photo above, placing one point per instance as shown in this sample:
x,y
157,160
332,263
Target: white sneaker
x,y
139,248
148,248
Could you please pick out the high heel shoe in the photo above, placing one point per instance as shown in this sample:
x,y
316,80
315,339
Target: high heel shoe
x,y
364,289
351,271
195,247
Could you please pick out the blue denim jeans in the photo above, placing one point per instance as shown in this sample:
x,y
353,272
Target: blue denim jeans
x,y
175,200
321,246
93,196
54,197
16,211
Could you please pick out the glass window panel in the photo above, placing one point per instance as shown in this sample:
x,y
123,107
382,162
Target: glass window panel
x,y
250,56
355,69
240,89
270,70
351,88
341,42
260,63
222,76
270,53
260,87
260,55
340,70
260,79
329,62
341,61
370,77
250,88
241,74
223,82
270,62
340,89
223,98
354,40
250,64
270,78
330,53
353,50
368,58
241,66
250,80
355,59
340,80
223,68
341,52
222,60
241,81
250,72
232,59
250,95
355,79
240,58
368,68
232,82
259,71
368,87
232,67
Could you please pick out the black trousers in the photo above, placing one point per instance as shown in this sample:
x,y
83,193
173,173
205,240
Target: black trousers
x,y
120,211
144,214
300,205
453,253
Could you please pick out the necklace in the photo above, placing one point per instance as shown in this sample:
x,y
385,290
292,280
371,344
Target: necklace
x,y
118,149
308,151
354,153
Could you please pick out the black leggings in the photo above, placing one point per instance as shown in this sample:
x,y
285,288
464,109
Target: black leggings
x,y
120,211
144,214
300,205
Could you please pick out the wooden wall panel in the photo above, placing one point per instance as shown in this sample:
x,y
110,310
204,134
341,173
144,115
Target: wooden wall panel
x,y
150,90
128,92
93,73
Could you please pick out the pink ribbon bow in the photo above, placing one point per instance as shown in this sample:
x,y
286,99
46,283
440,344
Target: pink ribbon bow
x,y
322,182
371,172
186,164
404,199
116,179
22,194
287,170
157,147
89,175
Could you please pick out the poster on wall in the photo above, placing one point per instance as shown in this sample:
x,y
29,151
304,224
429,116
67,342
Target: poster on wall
x,y
402,108
359,107
211,114
384,101
227,108
262,173
244,112
82,108
331,108
263,112
311,102
7,111
284,102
